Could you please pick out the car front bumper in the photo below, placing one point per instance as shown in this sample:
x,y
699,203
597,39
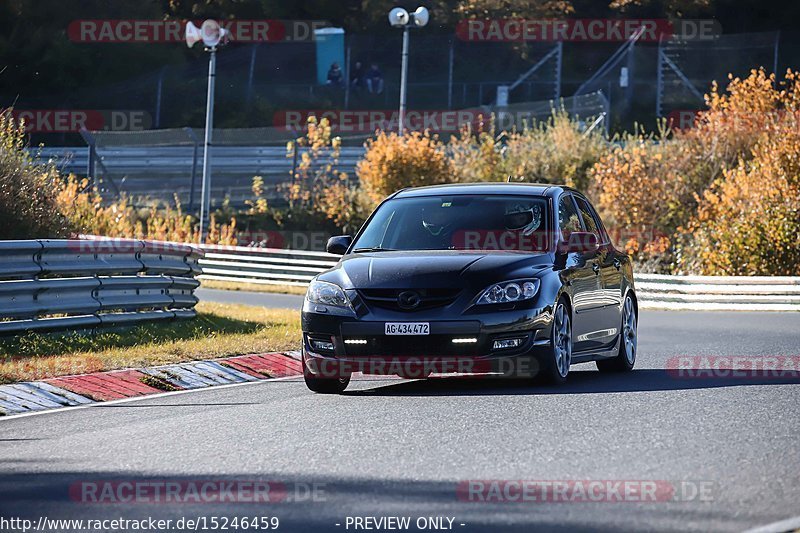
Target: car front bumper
x,y
337,343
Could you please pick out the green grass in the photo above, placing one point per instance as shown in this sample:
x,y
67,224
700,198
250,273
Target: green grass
x,y
219,330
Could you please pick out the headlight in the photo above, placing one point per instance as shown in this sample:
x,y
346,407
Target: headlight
x,y
322,292
510,291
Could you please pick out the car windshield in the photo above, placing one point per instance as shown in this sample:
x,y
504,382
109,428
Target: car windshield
x,y
458,222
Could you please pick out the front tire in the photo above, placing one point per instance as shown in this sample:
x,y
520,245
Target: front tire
x,y
626,357
324,385
556,365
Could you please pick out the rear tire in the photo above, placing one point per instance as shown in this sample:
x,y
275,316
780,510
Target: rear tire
x,y
555,367
324,385
628,335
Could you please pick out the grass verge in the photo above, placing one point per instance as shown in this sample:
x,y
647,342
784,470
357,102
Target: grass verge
x,y
219,330
252,287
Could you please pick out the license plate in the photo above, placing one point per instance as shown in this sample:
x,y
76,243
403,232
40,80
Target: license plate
x,y
408,328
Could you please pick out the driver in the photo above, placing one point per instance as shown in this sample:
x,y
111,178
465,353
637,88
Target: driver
x,y
436,220
525,218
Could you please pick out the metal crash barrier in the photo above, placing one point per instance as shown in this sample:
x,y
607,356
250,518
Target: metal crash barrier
x,y
268,266
50,285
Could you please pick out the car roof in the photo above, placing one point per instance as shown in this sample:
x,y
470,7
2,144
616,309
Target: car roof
x,y
532,189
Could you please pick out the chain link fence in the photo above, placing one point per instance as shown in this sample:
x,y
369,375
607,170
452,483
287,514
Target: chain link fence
x,y
686,69
649,80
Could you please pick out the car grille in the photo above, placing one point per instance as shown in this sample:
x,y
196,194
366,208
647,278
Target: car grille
x,y
389,298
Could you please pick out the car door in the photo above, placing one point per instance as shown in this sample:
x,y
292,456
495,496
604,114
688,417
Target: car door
x,y
609,276
583,274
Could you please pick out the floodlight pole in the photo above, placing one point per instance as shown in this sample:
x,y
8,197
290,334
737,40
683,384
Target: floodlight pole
x,y
400,17
403,80
205,200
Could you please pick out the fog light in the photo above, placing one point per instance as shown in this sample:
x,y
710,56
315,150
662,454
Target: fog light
x,y
322,345
465,340
355,341
503,344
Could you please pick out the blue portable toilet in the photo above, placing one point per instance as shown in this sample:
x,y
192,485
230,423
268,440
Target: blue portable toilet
x,y
330,49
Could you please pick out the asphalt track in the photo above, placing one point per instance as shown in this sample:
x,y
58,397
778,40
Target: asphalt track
x,y
265,299
725,446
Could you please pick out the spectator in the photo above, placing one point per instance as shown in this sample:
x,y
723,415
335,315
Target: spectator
x,y
374,79
335,76
358,81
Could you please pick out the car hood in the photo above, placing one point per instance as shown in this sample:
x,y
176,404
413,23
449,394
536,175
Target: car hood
x,y
440,269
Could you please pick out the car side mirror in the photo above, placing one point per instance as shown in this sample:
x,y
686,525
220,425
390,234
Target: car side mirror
x,y
339,244
582,242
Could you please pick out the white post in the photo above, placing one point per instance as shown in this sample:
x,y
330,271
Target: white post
x,y
205,202
403,81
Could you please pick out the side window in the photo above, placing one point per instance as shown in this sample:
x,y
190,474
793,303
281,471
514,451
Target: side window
x,y
568,218
604,238
593,222
588,218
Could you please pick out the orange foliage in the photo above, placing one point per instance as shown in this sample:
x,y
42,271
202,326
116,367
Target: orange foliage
x,y
656,188
88,213
748,222
393,162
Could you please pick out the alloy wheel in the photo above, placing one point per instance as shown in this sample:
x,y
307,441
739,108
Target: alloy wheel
x,y
562,341
629,330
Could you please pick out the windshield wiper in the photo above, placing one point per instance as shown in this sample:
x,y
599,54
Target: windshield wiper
x,y
374,249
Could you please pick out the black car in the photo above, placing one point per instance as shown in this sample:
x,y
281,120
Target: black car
x,y
502,278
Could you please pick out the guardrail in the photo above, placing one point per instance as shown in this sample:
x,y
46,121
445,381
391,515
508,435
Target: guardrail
x,y
266,266
167,172
272,266
724,293
49,285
